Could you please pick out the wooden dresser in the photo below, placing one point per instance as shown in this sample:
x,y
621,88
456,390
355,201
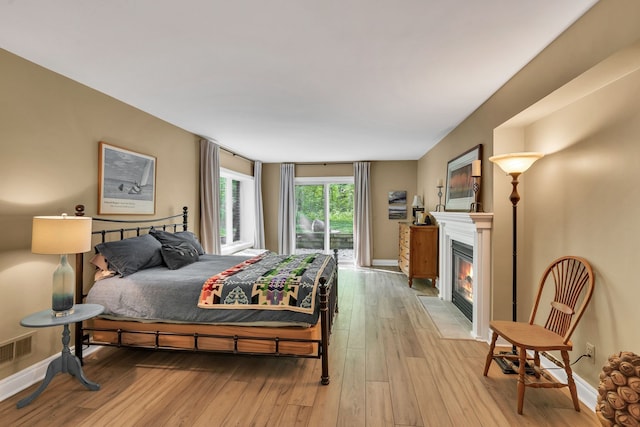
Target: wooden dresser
x,y
418,254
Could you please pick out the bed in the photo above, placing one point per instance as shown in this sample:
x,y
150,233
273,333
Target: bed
x,y
161,291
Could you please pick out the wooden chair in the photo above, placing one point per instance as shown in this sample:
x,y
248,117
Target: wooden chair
x,y
574,280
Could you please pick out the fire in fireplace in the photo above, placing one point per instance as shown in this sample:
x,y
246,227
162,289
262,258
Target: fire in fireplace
x,y
462,276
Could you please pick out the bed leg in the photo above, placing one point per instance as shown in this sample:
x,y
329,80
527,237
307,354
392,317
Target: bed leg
x,y
324,319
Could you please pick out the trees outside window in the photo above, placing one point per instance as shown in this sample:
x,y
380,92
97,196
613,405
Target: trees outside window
x,y
237,222
324,215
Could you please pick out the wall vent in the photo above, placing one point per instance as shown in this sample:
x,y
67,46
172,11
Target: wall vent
x,y
16,348
6,352
23,347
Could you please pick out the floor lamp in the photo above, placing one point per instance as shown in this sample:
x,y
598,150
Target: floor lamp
x,y
514,164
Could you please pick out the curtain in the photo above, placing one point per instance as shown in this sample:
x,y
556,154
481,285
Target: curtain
x,y
287,210
210,196
362,240
259,240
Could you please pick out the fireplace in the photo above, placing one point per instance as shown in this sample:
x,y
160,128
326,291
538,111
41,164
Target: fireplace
x,y
462,276
472,230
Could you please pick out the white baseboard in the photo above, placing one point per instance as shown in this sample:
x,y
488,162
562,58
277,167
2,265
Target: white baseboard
x,y
31,375
385,262
586,393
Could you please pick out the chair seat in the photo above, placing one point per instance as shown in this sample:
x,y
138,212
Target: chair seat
x,y
533,336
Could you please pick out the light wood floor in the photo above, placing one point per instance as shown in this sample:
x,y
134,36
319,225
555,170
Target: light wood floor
x,y
389,367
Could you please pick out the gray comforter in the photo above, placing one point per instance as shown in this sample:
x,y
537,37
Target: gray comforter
x,y
161,295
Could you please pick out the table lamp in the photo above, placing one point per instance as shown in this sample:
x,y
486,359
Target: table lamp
x,y
417,207
61,235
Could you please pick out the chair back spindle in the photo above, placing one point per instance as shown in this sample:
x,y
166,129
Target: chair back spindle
x,y
572,278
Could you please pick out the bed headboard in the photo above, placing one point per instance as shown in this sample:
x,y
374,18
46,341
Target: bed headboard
x,y
126,229
164,223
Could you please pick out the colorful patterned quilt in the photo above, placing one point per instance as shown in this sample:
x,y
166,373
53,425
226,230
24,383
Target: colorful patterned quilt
x,y
269,282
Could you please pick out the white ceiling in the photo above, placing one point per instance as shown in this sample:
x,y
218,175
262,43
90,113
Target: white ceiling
x,y
293,80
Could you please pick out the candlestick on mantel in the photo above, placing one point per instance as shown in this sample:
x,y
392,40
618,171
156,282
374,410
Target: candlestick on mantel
x,y
439,206
476,168
476,206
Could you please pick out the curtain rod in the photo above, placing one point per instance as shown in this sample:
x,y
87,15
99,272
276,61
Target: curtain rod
x,y
302,164
203,138
322,163
237,155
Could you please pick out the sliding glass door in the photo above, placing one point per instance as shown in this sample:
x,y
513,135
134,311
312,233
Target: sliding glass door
x,y
324,216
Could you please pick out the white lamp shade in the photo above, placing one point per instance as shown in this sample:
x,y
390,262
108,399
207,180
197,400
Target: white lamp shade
x,y
516,162
61,234
417,201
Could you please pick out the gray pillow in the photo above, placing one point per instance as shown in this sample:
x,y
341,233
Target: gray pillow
x,y
176,238
177,256
130,255
192,239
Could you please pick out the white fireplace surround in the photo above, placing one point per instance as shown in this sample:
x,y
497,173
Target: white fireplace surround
x,y
473,229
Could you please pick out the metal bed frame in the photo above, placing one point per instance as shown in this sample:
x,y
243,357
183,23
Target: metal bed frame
x,y
328,297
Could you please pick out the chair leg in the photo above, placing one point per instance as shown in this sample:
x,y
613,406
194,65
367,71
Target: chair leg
x,y
536,362
522,355
570,382
492,348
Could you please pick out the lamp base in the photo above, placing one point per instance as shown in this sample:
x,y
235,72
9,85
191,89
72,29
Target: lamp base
x,y
507,365
63,284
62,313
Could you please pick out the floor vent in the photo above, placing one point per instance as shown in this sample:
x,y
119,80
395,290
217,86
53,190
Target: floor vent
x,y
15,349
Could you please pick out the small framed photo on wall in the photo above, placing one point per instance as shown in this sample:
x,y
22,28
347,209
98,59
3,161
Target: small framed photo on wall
x,y
397,205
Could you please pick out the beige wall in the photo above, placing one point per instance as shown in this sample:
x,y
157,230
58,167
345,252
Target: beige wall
x,y
385,177
236,163
580,198
583,199
49,138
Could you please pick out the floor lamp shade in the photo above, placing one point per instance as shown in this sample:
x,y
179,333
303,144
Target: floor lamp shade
x,y
515,162
61,235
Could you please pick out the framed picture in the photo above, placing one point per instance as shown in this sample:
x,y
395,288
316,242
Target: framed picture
x,y
459,195
126,181
397,205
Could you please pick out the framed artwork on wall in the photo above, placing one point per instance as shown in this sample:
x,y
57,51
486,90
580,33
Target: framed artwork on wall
x,y
397,205
126,181
459,194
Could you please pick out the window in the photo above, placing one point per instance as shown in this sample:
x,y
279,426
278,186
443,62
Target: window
x,y
237,222
324,215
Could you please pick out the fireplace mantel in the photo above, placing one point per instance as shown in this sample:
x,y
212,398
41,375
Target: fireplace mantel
x,y
474,229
